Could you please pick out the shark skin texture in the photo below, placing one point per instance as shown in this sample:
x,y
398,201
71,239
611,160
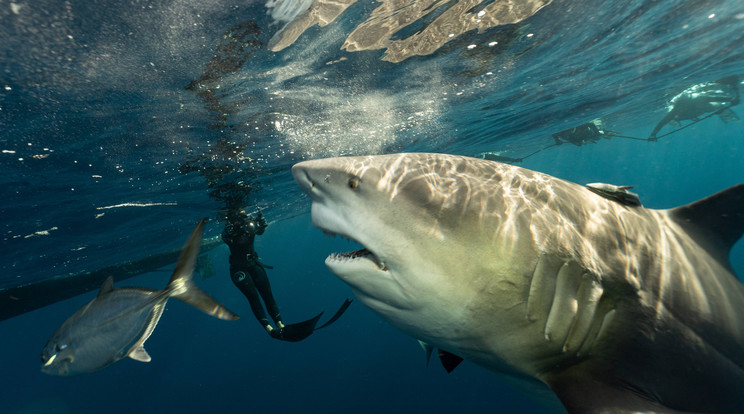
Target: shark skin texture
x,y
613,307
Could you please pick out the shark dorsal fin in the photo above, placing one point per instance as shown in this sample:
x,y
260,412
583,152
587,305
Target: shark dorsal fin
x,y
716,222
107,286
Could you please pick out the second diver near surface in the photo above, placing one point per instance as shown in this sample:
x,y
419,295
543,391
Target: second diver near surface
x,y
249,275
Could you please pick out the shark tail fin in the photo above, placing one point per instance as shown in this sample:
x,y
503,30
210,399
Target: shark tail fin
x,y
182,286
718,220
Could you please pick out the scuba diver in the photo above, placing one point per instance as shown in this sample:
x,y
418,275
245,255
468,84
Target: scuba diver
x,y
708,97
590,132
249,275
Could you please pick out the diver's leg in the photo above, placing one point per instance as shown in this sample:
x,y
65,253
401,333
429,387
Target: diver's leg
x,y
264,288
246,285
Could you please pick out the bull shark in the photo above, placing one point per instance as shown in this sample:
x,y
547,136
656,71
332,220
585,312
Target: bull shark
x,y
614,307
116,324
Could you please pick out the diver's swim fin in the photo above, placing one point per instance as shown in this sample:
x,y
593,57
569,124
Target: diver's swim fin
x,y
299,331
338,314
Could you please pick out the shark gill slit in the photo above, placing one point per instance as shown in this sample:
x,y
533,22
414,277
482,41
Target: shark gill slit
x,y
587,298
542,288
563,311
569,301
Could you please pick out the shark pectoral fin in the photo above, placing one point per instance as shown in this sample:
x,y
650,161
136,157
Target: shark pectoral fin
x,y
139,354
107,286
449,361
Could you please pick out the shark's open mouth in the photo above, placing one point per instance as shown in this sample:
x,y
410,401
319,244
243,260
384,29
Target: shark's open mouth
x,y
360,254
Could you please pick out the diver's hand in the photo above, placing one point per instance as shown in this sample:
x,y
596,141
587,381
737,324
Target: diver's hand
x,y
261,220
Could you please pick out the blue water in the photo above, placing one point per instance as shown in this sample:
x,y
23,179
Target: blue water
x,y
95,121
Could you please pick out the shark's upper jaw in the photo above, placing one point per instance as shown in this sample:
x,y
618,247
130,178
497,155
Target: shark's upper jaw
x,y
329,220
372,271
332,223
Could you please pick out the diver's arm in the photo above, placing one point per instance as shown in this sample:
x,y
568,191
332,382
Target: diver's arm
x,y
669,116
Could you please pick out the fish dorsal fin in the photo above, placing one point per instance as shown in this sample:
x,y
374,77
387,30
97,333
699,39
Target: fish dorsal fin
x,y
107,286
139,354
716,222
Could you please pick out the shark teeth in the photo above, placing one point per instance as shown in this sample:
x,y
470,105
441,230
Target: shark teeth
x,y
356,254
361,253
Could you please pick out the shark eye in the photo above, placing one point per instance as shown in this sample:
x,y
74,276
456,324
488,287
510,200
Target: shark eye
x,y
353,183
61,347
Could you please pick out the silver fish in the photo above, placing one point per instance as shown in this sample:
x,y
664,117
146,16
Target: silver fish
x,y
117,322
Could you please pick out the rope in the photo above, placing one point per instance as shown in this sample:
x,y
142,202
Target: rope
x,y
507,159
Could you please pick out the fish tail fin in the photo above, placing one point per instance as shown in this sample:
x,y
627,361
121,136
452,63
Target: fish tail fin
x,y
182,286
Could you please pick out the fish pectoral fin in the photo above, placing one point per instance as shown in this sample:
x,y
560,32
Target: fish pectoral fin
x,y
139,354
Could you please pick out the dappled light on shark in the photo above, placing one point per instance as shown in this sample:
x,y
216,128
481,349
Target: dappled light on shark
x,y
543,281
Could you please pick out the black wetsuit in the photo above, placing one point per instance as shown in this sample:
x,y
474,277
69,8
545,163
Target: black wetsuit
x,y
247,273
579,135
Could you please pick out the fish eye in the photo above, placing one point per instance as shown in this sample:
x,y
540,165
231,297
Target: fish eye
x,y
60,347
353,183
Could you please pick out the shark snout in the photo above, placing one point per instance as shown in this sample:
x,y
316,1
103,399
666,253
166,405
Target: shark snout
x,y
314,178
301,176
